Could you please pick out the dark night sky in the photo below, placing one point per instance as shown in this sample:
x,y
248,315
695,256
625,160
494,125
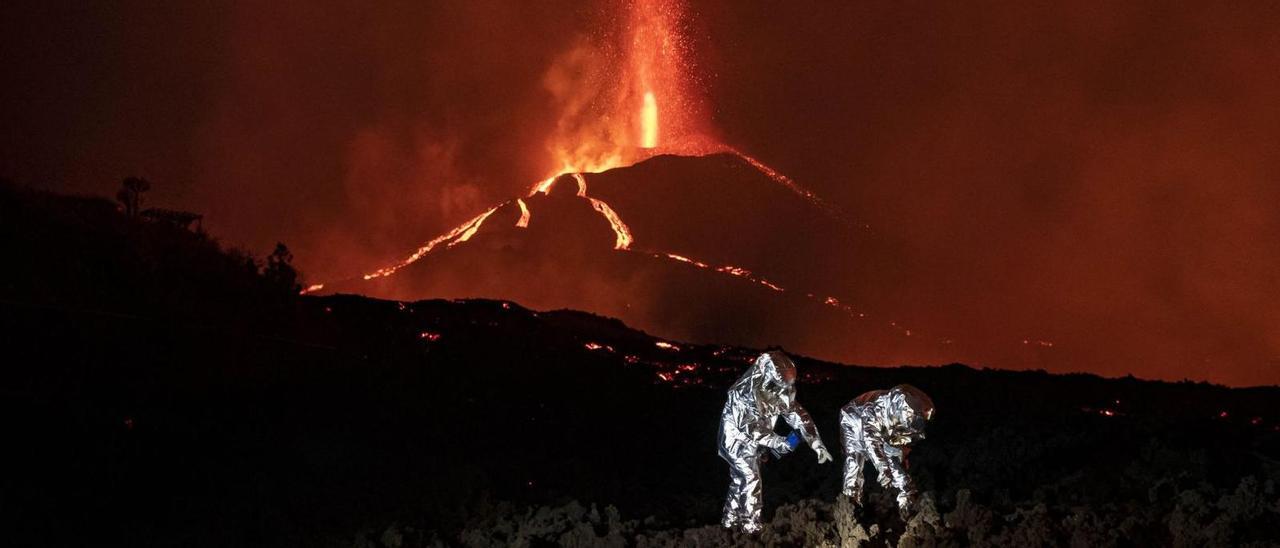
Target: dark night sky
x,y
1105,173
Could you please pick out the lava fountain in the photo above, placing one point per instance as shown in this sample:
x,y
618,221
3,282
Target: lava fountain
x,y
611,88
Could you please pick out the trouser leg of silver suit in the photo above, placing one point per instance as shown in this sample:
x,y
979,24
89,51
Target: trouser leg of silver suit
x,y
854,478
732,513
855,456
752,499
742,503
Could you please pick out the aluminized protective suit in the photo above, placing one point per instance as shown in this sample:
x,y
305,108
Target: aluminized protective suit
x,y
763,394
879,425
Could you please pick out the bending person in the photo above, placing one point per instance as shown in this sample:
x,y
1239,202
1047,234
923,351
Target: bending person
x,y
879,426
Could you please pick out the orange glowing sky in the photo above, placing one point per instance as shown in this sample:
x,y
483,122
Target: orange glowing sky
x,y
1096,176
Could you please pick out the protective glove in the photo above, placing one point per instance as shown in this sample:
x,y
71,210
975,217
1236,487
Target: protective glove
x,y
906,504
823,455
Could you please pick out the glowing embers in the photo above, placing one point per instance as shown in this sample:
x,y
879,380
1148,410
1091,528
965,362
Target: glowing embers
x,y
594,347
1109,410
312,288
683,374
459,234
835,303
524,214
667,346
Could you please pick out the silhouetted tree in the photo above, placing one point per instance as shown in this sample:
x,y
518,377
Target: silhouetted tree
x,y
130,194
279,270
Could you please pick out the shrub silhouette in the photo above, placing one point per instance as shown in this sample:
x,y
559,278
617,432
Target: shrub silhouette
x,y
279,271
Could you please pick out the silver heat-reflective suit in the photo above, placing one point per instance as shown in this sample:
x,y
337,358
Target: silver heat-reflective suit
x,y
879,425
756,401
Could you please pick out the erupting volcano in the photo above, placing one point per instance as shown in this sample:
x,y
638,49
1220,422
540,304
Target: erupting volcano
x,y
648,218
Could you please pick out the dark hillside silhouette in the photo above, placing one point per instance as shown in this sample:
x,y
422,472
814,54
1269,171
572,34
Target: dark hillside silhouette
x,y
82,253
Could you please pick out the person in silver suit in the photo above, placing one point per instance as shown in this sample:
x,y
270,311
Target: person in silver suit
x,y
881,425
765,393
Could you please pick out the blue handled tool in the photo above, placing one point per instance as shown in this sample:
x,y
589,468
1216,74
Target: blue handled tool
x,y
793,439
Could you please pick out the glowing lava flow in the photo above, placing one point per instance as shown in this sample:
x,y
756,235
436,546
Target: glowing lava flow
x,y
544,186
749,276
730,270
622,233
777,177
524,214
475,226
459,234
793,186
